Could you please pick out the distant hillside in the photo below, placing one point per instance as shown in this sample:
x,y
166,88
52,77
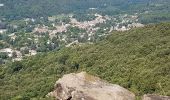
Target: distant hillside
x,y
17,9
138,60
38,8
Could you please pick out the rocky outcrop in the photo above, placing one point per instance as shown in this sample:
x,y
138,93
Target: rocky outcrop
x,y
83,86
155,97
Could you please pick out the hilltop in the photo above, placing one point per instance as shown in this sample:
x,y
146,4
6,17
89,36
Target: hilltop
x,y
137,59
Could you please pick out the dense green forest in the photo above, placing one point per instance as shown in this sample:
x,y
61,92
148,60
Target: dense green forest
x,y
38,8
18,9
138,60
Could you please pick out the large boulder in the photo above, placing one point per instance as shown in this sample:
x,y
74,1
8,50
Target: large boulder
x,y
155,97
83,86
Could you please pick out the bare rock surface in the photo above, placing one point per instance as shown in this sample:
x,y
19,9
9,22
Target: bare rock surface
x,y
155,97
83,86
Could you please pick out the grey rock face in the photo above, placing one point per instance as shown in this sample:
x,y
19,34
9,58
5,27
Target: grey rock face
x,y
83,86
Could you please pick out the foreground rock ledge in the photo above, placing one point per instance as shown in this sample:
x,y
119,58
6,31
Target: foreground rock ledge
x,y
83,86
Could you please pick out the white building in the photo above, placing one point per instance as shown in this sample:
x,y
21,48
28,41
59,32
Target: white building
x,y
32,52
1,5
9,51
2,31
133,25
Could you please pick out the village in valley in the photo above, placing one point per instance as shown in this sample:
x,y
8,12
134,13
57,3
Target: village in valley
x,y
29,36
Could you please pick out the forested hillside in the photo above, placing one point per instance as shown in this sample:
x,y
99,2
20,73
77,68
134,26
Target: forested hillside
x,y
138,60
17,9
40,8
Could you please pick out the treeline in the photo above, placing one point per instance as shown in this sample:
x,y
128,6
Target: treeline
x,y
17,9
38,8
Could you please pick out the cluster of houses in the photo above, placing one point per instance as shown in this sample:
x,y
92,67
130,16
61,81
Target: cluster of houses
x,y
89,24
16,55
127,22
121,23
58,29
128,27
86,25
